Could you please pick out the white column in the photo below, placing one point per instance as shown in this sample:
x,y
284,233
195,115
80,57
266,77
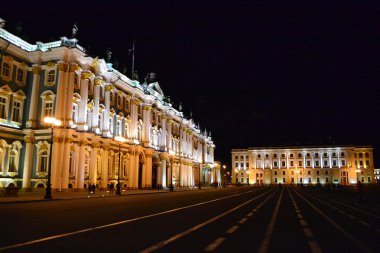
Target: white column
x,y
93,170
134,118
164,174
66,165
106,112
69,94
28,162
79,182
31,123
59,105
95,113
169,134
105,168
82,114
147,125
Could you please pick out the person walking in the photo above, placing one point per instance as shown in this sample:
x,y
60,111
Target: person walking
x,y
93,188
111,187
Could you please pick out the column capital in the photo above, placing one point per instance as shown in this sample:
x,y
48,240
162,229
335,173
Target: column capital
x,y
98,81
29,139
147,107
62,66
36,70
86,75
74,67
109,87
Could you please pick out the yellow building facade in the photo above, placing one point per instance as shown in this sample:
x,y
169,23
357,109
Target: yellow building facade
x,y
343,165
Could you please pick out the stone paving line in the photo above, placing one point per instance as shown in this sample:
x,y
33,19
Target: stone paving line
x,y
34,196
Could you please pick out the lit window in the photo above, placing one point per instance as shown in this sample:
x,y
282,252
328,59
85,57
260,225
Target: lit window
x,y
48,109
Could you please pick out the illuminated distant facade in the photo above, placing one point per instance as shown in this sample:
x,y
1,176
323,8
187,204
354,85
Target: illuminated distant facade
x,y
343,165
95,103
377,175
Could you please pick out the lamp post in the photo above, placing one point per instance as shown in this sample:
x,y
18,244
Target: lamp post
x,y
224,173
120,140
53,122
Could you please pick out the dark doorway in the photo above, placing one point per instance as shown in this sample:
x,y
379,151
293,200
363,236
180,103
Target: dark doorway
x,y
140,174
154,176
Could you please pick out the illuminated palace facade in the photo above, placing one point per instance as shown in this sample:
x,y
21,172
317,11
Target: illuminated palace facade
x,y
343,165
95,104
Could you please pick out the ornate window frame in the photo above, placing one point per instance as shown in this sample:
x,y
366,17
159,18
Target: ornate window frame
x,y
47,98
18,97
14,148
5,94
7,66
43,156
50,74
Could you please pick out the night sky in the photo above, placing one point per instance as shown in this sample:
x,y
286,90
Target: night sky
x,y
254,73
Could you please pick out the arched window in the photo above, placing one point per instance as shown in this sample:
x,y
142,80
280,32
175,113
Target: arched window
x,y
12,161
6,70
126,129
139,132
118,127
51,76
74,115
20,76
110,125
48,98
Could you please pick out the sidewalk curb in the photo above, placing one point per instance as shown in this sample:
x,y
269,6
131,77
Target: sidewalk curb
x,y
97,196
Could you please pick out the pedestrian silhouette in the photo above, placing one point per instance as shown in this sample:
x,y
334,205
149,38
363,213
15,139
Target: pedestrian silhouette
x,y
93,188
111,187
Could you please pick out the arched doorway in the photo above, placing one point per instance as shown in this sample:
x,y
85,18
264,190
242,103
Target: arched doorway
x,y
155,170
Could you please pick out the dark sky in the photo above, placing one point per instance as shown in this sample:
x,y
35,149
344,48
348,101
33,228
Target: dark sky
x,y
254,73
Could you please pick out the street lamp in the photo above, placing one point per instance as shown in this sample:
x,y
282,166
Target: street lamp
x,y
53,122
120,140
224,173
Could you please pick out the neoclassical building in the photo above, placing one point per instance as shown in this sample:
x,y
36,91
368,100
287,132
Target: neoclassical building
x,y
343,165
95,104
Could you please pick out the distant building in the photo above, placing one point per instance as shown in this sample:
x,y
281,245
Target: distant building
x,y
343,165
377,175
95,104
